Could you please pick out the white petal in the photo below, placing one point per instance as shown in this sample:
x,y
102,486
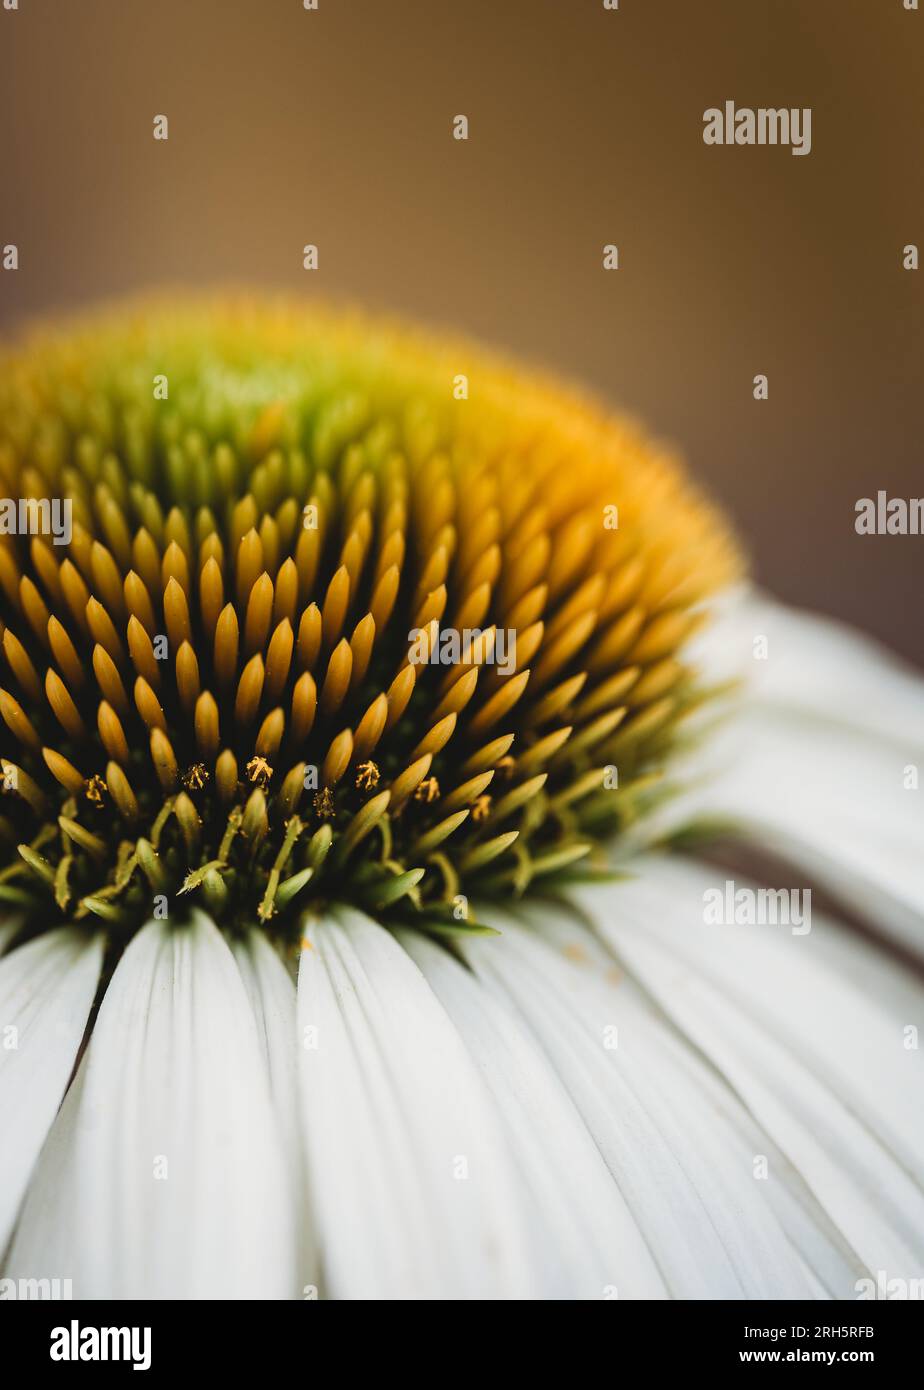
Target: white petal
x,y
173,1076
271,991
706,1225
587,1242
815,766
830,1265
46,993
820,1064
811,659
414,1190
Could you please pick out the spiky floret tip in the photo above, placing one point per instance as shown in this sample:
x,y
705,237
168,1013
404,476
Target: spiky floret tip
x,y
327,624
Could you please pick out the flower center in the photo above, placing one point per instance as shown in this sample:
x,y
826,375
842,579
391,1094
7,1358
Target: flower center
x,y
298,607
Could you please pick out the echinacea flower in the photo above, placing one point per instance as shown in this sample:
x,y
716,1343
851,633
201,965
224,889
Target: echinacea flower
x,y
340,956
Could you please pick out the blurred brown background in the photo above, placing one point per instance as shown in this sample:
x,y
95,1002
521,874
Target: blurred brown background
x,y
334,127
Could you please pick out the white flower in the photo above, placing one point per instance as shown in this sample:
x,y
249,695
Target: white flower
x,y
612,1098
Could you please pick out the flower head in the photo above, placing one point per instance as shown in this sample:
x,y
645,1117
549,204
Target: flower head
x,y
324,628
350,626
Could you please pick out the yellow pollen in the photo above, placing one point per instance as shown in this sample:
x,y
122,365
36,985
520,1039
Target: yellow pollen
x,y
367,776
259,771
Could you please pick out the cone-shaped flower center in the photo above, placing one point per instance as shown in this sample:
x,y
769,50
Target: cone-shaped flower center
x,y
297,607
